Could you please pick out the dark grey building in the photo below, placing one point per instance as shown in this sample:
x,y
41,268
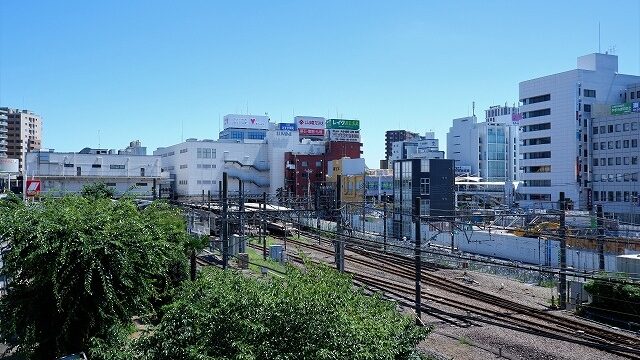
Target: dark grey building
x,y
432,180
392,136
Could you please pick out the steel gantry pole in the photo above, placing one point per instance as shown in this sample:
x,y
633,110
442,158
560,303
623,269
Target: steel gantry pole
x,y
562,286
418,259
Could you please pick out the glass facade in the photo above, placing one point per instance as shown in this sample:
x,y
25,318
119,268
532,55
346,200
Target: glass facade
x,y
497,148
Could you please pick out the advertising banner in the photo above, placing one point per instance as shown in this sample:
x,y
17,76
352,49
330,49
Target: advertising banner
x,y
8,165
33,187
344,135
309,122
515,118
287,126
462,170
311,132
343,124
246,122
621,109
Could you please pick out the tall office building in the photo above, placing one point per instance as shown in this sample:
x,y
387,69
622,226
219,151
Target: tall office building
x,y
24,134
3,133
556,118
392,136
615,157
488,149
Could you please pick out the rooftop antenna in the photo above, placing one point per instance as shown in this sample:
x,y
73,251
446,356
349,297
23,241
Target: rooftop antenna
x,y
473,107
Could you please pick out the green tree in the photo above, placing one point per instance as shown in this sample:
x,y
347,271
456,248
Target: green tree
x,y
310,314
80,266
98,190
621,297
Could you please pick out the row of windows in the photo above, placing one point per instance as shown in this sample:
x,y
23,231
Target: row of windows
x,y
618,144
536,99
318,164
182,182
537,197
537,127
537,169
538,155
537,183
184,166
617,196
537,141
603,129
205,182
536,113
634,94
619,160
182,151
589,93
633,177
206,153
170,153
206,166
98,166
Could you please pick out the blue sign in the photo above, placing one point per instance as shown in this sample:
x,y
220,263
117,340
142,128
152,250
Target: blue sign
x,y
287,126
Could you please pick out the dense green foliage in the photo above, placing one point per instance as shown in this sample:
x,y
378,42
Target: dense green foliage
x,y
616,296
312,314
98,190
82,265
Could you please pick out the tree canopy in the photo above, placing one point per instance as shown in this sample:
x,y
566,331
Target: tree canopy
x,y
81,265
310,314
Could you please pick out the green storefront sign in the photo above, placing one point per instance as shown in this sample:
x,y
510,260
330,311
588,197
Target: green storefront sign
x,y
621,109
343,124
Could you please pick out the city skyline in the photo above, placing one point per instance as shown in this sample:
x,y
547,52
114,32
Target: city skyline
x,y
99,75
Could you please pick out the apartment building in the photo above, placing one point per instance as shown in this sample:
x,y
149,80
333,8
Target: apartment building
x,y
24,134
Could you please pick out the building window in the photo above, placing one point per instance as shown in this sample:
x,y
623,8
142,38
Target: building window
x,y
587,107
142,171
96,166
68,165
536,113
595,130
184,166
625,144
634,143
610,128
589,93
318,163
634,126
538,155
618,196
111,184
424,186
618,160
634,160
625,160
182,151
610,145
116,167
595,162
625,127
305,164
141,184
618,127
618,144
78,171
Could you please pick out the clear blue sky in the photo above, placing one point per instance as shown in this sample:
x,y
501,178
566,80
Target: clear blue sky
x,y
140,69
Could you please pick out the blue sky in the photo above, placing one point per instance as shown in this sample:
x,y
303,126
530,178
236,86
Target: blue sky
x,y
155,70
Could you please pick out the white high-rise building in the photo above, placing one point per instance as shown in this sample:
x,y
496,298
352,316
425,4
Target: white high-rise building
x,y
555,128
489,149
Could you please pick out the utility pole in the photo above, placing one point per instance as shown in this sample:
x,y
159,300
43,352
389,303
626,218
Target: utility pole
x,y
452,237
242,214
418,249
562,286
225,225
384,222
263,225
203,195
338,243
208,199
600,221
364,202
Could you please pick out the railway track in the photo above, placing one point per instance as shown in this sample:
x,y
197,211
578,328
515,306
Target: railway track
x,y
500,311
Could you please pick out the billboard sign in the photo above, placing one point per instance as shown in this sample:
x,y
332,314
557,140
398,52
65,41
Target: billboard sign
x,y
309,122
515,118
246,122
344,135
621,109
311,132
8,165
287,126
33,187
635,107
343,124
